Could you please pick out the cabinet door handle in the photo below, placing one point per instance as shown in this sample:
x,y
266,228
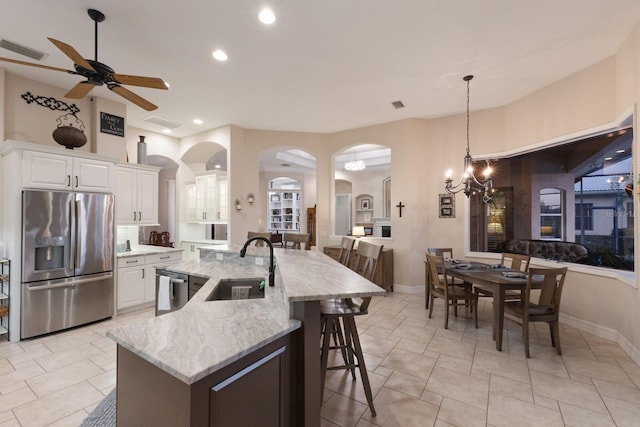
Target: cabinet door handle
x,y
165,257
132,262
134,215
77,181
139,215
143,273
68,180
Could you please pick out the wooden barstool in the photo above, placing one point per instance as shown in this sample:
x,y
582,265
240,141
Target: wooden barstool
x,y
346,309
295,240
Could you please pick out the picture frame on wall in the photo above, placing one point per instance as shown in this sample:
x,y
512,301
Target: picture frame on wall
x,y
365,204
447,206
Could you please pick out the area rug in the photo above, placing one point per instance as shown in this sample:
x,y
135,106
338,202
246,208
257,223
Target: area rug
x,y
104,415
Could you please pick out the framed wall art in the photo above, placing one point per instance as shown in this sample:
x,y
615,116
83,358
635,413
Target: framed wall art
x,y
447,206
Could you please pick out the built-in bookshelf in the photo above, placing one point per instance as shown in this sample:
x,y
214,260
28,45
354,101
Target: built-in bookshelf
x,y
284,211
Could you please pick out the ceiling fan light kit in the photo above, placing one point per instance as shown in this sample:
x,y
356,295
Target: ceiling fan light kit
x,y
97,73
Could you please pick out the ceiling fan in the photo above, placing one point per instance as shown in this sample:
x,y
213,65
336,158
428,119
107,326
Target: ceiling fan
x,y
97,73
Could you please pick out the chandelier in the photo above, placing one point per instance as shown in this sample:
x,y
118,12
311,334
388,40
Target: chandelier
x,y
355,165
468,182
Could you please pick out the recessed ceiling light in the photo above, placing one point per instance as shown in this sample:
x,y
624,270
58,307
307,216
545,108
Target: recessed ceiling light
x,y
620,151
266,16
166,131
220,55
608,158
197,121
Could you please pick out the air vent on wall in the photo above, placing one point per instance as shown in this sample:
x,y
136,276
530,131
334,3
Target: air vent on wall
x,y
163,123
22,50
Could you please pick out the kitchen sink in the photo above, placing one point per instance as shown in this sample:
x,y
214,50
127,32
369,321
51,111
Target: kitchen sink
x,y
230,289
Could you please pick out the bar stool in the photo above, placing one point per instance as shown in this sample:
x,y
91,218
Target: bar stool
x,y
346,309
295,240
346,246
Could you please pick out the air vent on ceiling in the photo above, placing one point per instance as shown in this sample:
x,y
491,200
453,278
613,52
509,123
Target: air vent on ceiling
x,y
22,50
397,104
163,123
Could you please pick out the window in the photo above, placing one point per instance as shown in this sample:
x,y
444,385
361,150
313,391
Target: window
x,y
577,191
584,217
551,214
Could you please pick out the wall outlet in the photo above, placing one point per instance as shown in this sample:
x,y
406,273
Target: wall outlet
x,y
259,261
219,256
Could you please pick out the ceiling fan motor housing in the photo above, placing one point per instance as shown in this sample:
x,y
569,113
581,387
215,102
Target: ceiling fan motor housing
x,y
102,74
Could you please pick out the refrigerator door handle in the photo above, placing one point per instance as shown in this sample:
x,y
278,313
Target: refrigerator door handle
x,y
73,231
78,249
67,283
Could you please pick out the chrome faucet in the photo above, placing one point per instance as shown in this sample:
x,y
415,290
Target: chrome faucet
x,y
243,252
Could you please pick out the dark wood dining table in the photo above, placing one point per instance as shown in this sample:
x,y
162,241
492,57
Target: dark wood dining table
x,y
492,278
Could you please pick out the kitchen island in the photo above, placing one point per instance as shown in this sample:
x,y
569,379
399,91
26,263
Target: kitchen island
x,y
215,360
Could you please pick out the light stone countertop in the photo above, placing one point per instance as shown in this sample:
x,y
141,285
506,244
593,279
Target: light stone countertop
x,y
205,336
147,250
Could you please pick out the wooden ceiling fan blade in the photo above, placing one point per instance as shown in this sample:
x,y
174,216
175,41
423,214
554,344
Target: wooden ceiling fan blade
x,y
31,64
72,53
79,91
152,82
130,96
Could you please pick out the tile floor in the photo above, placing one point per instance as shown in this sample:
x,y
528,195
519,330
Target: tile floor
x,y
421,374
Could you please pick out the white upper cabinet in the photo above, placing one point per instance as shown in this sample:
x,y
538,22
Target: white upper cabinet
x,y
137,196
60,172
207,199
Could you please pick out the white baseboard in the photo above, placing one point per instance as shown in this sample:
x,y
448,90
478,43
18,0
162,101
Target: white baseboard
x,y
404,289
583,325
603,332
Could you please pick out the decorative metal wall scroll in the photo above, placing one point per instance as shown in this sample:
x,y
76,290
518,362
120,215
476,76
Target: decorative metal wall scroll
x,y
50,103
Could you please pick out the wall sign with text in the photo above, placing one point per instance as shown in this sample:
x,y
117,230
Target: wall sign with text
x,y
111,124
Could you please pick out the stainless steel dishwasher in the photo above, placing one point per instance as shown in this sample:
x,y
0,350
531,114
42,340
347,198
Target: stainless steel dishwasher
x,y
172,291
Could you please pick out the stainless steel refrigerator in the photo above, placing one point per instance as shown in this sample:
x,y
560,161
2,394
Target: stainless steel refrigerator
x,y
67,260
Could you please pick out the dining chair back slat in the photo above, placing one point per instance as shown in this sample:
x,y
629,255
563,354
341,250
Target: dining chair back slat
x,y
518,262
447,253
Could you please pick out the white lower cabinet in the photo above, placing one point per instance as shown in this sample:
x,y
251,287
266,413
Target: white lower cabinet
x,y
137,278
130,281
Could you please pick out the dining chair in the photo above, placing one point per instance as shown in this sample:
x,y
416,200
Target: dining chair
x,y
447,254
346,246
519,262
294,240
258,243
452,295
547,309
345,310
